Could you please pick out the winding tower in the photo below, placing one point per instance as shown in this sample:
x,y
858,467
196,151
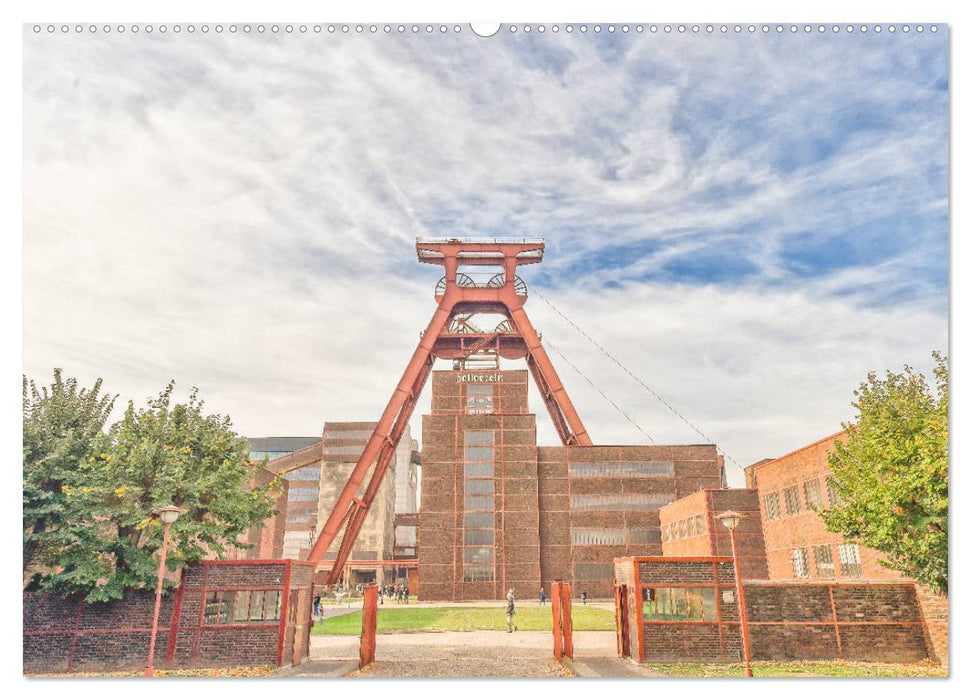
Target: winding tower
x,y
461,293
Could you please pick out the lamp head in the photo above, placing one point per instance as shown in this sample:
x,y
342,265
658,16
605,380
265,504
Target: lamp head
x,y
730,518
169,514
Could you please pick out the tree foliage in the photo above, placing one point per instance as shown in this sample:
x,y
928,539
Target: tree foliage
x,y
891,473
106,537
61,423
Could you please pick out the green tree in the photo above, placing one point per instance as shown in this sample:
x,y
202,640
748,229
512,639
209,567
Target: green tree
x,y
891,473
167,453
61,423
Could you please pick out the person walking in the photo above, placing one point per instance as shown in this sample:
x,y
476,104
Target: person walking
x,y
317,605
583,597
510,611
542,597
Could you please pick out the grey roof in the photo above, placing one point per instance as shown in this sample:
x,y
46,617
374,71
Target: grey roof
x,y
280,444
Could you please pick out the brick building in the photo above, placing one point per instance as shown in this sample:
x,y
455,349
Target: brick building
x,y
690,528
315,470
782,541
500,512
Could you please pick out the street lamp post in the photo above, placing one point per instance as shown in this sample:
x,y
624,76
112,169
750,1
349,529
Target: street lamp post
x,y
730,519
168,514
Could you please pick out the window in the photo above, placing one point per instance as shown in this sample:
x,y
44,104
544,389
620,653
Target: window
x,y
479,556
302,494
700,528
597,535
619,501
304,474
679,604
773,510
478,398
241,607
600,469
834,498
689,527
792,500
823,554
813,494
666,533
800,563
850,561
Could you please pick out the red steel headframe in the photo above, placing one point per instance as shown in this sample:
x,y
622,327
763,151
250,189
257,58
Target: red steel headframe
x,y
458,297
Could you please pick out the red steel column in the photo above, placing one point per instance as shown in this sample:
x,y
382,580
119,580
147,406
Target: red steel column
x,y
567,608
544,365
369,624
380,435
557,629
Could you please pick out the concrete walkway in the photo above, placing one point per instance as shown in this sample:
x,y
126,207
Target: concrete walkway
x,y
468,655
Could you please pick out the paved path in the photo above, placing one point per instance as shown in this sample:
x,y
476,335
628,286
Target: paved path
x,y
469,654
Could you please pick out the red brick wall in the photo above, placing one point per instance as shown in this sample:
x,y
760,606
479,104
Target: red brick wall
x,y
856,621
714,539
63,635
806,529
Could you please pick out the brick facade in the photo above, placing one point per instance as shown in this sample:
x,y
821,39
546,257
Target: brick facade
x,y
788,533
224,613
787,620
558,512
690,528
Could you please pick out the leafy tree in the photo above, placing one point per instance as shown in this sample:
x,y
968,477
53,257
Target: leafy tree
x,y
167,453
891,473
61,423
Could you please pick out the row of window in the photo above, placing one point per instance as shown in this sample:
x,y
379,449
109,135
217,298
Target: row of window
x,y
619,501
304,474
684,528
811,492
242,607
614,469
303,494
614,536
849,559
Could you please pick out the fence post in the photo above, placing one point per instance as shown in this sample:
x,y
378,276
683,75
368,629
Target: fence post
x,y
557,629
369,624
567,607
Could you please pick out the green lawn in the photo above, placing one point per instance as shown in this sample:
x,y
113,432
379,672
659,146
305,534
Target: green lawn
x,y
783,669
397,619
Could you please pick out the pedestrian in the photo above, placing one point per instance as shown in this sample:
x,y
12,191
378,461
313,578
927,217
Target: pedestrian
x,y
510,611
583,597
338,594
317,605
406,594
542,597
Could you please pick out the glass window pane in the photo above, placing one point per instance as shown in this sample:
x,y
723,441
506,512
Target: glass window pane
x,y
478,555
242,605
256,605
479,537
479,469
479,520
479,389
479,503
479,454
708,609
480,486
272,605
479,437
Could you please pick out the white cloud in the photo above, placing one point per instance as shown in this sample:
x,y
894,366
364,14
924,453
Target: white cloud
x,y
238,213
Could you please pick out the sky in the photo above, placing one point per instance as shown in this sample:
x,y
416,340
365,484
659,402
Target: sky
x,y
749,223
